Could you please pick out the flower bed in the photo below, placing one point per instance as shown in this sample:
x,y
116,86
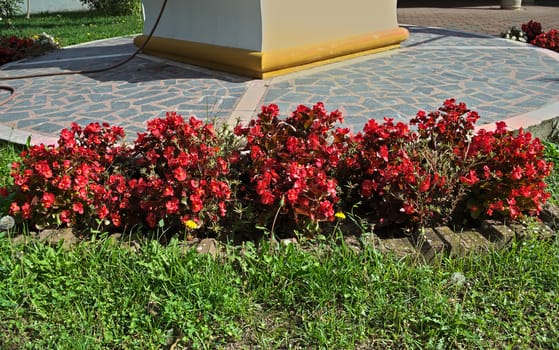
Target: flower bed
x,y
532,33
291,173
14,48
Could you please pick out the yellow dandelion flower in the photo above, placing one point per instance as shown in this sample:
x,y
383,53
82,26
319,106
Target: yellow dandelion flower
x,y
340,215
191,224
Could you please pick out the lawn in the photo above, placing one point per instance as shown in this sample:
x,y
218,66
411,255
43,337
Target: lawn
x,y
100,296
75,27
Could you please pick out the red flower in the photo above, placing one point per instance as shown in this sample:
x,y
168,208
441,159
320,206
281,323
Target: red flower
x,y
65,182
65,216
168,191
267,198
516,172
14,208
172,206
471,179
26,210
77,207
425,184
196,203
180,174
48,200
102,212
222,208
80,181
43,169
407,208
116,219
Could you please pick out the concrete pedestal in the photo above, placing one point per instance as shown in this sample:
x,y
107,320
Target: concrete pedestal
x,y
264,38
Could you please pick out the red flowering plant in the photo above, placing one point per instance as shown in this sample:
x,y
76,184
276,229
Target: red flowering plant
x,y
431,175
406,177
548,40
510,180
532,30
175,174
14,48
179,177
61,185
381,167
536,36
291,163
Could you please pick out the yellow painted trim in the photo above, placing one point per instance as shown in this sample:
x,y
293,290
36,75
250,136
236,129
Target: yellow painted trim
x,y
272,63
287,70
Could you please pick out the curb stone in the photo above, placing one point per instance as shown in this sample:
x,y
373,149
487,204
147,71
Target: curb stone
x,y
430,243
425,245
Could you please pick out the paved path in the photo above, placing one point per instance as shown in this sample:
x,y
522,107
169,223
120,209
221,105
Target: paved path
x,y
502,80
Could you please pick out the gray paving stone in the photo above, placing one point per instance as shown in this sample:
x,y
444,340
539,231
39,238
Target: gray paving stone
x,y
497,78
10,117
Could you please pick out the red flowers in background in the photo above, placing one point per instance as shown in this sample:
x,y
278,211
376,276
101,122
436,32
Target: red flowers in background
x,y
532,30
535,36
549,40
13,48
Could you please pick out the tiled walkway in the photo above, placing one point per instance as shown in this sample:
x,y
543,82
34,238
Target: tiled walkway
x,y
502,80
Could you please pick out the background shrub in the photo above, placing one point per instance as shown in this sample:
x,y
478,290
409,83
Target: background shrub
x,y
8,9
113,7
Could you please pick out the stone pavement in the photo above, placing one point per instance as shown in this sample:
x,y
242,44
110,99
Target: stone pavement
x,y
502,80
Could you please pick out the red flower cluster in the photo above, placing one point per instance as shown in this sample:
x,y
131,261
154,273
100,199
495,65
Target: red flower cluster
x,y
548,40
13,48
291,162
535,36
424,176
182,172
173,172
179,172
532,30
509,177
61,183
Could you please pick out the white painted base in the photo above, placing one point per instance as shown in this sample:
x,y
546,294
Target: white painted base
x,y
274,35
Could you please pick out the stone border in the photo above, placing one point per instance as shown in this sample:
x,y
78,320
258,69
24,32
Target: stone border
x,y
431,243
426,246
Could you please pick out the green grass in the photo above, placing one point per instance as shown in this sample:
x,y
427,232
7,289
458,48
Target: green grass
x,y
552,155
9,153
99,296
76,27
102,296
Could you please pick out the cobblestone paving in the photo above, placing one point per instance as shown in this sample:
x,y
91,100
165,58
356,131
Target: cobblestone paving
x,y
496,77
127,96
